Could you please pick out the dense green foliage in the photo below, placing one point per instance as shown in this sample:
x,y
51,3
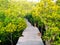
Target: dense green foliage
x,y
58,2
48,13
11,23
44,13
11,26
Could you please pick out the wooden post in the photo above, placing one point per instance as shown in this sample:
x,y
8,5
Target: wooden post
x,y
47,42
34,24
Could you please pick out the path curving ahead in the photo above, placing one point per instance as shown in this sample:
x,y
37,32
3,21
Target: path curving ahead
x,y
30,36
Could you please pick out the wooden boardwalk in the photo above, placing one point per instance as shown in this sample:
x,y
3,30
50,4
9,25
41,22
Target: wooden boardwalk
x,y
30,36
